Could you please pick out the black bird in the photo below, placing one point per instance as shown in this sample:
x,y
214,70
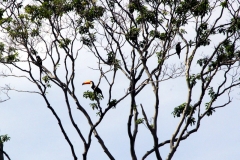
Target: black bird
x,y
178,49
39,63
95,88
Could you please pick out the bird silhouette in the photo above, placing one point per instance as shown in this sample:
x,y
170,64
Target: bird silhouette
x,y
39,63
178,49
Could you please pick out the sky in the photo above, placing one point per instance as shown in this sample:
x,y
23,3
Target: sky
x,y
35,134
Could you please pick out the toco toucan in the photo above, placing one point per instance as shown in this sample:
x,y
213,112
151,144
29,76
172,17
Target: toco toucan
x,y
95,88
178,49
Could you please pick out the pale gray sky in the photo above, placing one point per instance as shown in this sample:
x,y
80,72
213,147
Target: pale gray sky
x,y
35,134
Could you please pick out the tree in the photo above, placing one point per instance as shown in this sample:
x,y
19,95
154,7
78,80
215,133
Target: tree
x,y
135,40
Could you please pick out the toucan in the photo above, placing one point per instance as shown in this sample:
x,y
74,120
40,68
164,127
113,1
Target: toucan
x,y
95,88
178,49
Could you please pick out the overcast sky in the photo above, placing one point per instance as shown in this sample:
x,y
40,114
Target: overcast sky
x,y
35,134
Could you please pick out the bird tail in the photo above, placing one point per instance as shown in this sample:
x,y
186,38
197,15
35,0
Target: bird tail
x,y
41,70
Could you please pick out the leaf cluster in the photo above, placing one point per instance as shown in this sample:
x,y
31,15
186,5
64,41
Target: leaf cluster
x,y
159,56
136,5
146,16
195,7
84,29
193,79
13,55
89,39
213,97
92,95
2,19
94,13
179,110
202,41
48,8
1,50
211,93
209,109
224,53
133,34
140,121
46,80
94,106
235,25
157,34
191,121
202,61
112,60
64,42
228,49
203,34
4,138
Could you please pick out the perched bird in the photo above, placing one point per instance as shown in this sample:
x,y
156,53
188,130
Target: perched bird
x,y
95,88
39,63
178,49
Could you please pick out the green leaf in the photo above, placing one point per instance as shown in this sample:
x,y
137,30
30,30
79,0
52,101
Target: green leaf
x,y
12,57
212,94
94,13
155,34
64,42
111,58
46,80
1,47
34,33
98,114
4,138
94,105
224,4
140,120
179,110
88,40
210,110
92,96
1,13
133,34
192,121
192,79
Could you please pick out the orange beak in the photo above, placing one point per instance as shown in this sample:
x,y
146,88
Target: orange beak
x,y
87,82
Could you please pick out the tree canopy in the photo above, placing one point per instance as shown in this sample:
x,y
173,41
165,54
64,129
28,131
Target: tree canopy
x,y
133,50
